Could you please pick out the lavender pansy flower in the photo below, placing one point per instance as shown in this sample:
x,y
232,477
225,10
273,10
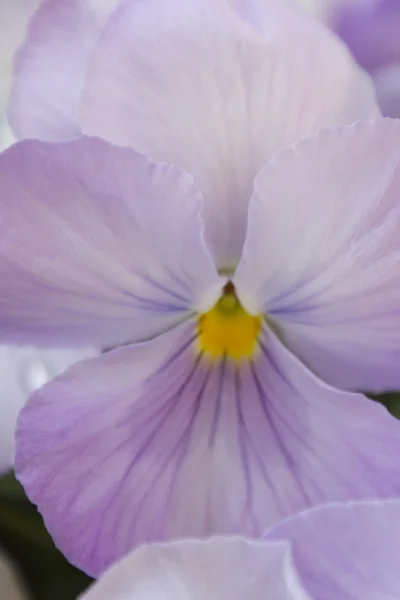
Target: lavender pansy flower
x,y
232,291
371,30
336,552
202,420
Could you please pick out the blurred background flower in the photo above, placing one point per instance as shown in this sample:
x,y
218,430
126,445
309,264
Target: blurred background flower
x,y
371,29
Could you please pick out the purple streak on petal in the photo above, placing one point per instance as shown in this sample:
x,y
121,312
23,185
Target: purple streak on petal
x,y
153,442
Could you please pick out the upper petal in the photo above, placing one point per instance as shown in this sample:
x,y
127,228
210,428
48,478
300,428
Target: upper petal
x,y
212,569
155,442
323,249
98,245
217,88
14,19
50,68
349,551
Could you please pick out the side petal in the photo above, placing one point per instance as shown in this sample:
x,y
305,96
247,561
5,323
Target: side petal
x,y
116,240
155,442
23,370
322,253
216,568
218,87
347,551
50,68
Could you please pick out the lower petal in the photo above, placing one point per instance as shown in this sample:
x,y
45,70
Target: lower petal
x,y
348,551
154,441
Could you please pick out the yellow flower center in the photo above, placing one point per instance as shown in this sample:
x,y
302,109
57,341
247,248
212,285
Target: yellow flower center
x,y
227,329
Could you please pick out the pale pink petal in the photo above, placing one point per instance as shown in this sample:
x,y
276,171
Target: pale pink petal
x,y
322,253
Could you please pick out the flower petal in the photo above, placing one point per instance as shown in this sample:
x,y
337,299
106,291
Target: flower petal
x,y
218,90
348,551
117,243
14,17
50,68
23,370
153,442
213,569
322,253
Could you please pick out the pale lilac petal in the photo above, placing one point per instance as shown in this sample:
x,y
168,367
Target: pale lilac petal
x,y
98,245
50,68
22,371
346,552
218,90
213,569
322,253
14,19
153,442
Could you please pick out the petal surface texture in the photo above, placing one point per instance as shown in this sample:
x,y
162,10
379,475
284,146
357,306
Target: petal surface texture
x,y
218,87
322,254
50,67
117,243
23,370
155,442
217,568
346,551
14,17
215,87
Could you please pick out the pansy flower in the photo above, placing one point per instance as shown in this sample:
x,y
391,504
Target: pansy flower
x,y
231,291
334,552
